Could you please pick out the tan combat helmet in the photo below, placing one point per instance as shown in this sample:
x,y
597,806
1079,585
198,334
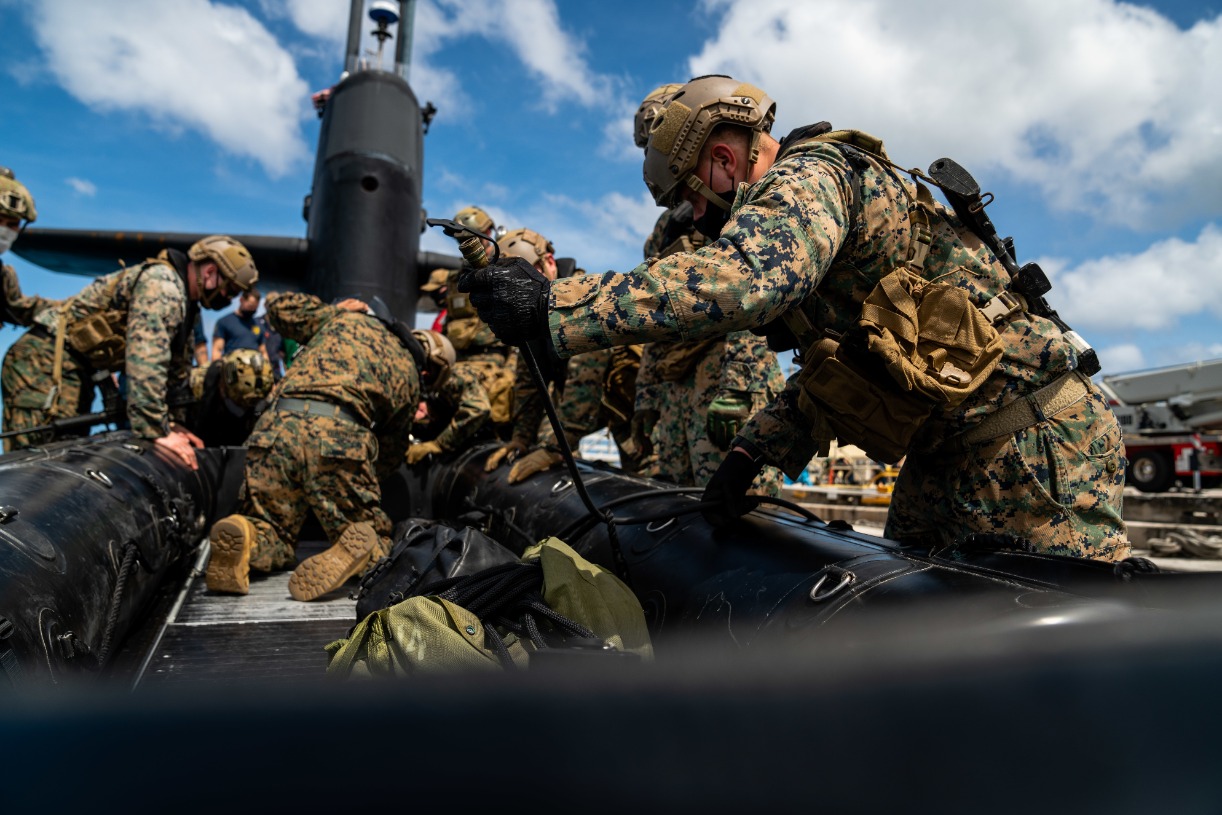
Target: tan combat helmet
x,y
526,243
438,279
649,110
15,199
231,257
680,131
247,375
475,218
439,352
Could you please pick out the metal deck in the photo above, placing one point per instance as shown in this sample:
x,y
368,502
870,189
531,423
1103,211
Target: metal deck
x,y
221,638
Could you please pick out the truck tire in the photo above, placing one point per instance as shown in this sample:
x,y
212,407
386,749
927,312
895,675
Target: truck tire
x,y
1151,471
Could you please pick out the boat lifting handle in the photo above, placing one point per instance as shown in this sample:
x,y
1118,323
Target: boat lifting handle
x,y
846,579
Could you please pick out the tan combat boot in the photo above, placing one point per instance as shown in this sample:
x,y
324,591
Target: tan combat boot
x,y
229,565
327,571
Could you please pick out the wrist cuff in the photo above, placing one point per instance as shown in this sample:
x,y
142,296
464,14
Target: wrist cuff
x,y
756,454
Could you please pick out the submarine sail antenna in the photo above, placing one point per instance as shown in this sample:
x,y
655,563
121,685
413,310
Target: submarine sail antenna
x,y
385,14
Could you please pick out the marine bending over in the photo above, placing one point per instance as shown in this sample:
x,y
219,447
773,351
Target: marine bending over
x,y
909,342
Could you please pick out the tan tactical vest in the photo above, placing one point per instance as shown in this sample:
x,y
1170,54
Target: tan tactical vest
x,y
917,346
101,336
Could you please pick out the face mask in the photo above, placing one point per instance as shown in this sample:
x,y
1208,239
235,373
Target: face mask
x,y
7,236
715,218
215,299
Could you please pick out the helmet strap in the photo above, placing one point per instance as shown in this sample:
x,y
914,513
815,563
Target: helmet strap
x,y
705,190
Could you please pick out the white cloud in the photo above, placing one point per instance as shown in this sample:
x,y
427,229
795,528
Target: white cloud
x,y
324,19
1192,351
82,186
187,64
603,234
1120,358
1104,106
532,30
618,136
1151,290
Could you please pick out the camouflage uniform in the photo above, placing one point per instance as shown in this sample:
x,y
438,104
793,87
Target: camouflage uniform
x,y
152,304
681,380
823,225
529,413
599,392
330,464
496,371
462,404
683,453
19,308
478,348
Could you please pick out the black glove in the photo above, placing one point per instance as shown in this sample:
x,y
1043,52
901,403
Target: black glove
x,y
511,297
727,489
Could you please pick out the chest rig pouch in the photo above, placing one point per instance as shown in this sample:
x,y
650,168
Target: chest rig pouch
x,y
917,346
101,337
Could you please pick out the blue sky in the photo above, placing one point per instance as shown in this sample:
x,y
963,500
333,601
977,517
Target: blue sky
x,y
1097,125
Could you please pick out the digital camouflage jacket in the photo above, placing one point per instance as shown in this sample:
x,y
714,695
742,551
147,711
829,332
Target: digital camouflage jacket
x,y
823,225
152,301
349,359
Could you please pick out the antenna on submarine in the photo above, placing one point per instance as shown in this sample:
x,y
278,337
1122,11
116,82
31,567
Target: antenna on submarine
x,y
385,14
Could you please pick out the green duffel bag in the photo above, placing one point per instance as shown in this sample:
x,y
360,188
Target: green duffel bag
x,y
552,598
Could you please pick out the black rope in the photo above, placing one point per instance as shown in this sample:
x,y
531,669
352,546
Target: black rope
x,y
499,647
562,440
503,517
116,600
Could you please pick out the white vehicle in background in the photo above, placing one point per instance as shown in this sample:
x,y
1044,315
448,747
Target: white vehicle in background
x,y
1168,414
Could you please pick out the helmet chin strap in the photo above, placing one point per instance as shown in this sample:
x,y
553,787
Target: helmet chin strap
x,y
694,182
713,198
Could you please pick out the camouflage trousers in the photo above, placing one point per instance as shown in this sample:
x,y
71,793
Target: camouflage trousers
x,y
298,463
1058,484
682,451
26,384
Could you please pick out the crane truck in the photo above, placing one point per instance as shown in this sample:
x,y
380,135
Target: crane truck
x,y
1167,414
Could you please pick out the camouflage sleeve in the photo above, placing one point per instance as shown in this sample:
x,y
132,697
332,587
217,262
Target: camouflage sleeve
x,y
19,308
158,307
783,435
784,232
178,389
580,409
298,316
465,389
